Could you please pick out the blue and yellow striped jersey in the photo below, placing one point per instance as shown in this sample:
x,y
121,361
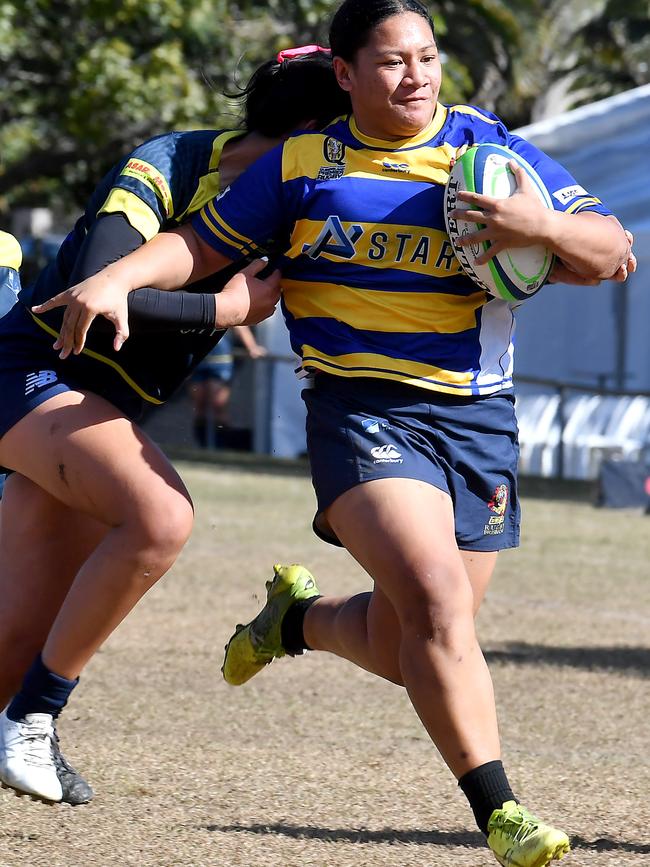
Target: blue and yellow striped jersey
x,y
10,261
371,285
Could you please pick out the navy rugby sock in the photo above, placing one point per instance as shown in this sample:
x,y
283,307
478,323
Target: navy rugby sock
x,y
291,630
487,789
42,692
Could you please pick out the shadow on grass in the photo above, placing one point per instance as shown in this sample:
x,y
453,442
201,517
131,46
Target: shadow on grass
x,y
630,660
468,839
605,845
473,840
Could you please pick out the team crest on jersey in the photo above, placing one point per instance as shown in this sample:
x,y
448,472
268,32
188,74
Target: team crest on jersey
x,y
498,505
334,150
334,153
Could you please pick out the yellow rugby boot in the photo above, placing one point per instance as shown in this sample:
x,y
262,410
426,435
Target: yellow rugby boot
x,y
255,644
519,839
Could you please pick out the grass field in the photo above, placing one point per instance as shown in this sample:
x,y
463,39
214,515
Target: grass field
x,y
317,764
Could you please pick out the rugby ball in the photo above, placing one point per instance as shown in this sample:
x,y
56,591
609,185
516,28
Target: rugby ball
x,y
513,274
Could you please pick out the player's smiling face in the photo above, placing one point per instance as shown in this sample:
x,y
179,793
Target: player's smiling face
x,y
394,80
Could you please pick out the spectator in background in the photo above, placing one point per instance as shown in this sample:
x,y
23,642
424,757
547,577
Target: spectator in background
x,y
210,388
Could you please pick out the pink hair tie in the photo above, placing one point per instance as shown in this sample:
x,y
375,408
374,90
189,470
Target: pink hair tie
x,y
290,53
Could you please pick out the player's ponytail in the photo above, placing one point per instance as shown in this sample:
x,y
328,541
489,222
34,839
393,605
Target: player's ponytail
x,y
290,91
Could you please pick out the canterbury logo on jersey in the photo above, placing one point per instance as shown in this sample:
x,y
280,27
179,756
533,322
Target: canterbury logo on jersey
x,y
39,379
394,246
397,168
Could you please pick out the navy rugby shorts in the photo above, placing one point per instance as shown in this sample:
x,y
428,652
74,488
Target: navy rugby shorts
x,y
31,372
359,430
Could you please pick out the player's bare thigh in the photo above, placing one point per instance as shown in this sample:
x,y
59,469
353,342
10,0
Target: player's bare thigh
x,y
81,450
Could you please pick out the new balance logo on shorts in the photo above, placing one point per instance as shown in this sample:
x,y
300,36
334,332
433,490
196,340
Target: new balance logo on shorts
x,y
387,454
39,379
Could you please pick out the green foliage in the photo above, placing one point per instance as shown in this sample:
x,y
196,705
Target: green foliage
x,y
612,50
83,81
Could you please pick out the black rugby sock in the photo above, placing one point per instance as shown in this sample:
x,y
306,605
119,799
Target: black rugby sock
x,y
487,789
291,630
42,692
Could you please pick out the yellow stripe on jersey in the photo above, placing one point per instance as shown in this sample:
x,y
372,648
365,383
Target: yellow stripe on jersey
x,y
412,249
581,204
210,184
304,157
371,310
137,212
104,360
469,109
11,256
212,228
401,370
228,235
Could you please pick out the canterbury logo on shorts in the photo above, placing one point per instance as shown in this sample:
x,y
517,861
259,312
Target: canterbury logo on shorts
x,y
387,454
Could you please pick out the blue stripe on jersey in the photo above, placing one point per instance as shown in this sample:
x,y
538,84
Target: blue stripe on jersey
x,y
374,277
458,352
418,205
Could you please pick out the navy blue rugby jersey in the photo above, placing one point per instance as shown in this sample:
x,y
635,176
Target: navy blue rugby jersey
x,y
156,188
371,284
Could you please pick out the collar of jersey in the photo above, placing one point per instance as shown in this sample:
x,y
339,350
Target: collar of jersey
x,y
220,142
433,128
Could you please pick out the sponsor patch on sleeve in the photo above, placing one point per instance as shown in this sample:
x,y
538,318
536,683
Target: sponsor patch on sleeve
x,y
149,175
568,194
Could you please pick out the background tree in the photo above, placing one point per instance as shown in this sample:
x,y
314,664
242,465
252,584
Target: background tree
x,y
83,81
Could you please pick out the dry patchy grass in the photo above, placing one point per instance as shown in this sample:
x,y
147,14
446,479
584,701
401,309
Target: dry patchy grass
x,y
317,764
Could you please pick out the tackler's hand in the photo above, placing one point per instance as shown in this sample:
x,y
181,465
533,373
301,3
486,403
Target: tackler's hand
x,y
246,299
96,296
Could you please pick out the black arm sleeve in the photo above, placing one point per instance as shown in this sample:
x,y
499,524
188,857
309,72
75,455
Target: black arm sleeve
x,y
150,310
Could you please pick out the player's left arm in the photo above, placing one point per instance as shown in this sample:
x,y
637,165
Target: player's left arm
x,y
561,273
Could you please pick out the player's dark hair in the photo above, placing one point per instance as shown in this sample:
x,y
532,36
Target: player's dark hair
x,y
281,96
355,20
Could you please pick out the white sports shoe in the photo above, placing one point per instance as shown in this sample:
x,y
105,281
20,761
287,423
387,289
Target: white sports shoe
x,y
27,762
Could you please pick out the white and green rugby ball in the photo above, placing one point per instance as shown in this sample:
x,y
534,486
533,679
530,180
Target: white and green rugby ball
x,y
516,273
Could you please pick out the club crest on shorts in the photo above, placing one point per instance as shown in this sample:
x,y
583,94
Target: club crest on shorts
x,y
497,505
373,425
